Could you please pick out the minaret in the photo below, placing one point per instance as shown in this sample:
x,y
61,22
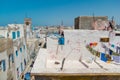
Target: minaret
x,y
93,22
28,23
61,23
112,19
113,22
94,18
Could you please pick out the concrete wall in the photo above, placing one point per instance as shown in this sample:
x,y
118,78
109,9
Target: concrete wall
x,y
74,38
4,33
85,22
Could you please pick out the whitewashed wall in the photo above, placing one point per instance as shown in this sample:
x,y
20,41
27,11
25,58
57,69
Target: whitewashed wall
x,y
3,74
75,40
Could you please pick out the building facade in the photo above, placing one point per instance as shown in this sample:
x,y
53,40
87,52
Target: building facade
x,y
7,66
13,52
85,22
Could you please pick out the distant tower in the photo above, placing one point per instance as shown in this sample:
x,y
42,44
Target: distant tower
x,y
28,24
94,18
61,22
28,21
62,25
112,22
112,19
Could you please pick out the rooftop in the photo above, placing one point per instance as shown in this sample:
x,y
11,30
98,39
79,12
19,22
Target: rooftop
x,y
73,58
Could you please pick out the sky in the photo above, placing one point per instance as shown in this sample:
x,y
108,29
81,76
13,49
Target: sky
x,y
52,12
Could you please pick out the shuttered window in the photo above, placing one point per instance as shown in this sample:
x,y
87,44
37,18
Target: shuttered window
x,y
16,53
18,33
3,65
13,35
20,49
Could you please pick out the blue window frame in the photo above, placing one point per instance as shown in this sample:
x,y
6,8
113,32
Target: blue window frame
x,y
13,35
16,53
18,33
3,65
20,49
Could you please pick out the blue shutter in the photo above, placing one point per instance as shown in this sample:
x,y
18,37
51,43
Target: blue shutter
x,y
16,53
4,66
13,35
20,49
18,33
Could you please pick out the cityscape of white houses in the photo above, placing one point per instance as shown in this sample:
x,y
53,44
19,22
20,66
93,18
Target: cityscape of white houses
x,y
20,46
16,48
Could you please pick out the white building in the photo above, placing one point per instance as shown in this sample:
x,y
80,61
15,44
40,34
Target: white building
x,y
15,33
20,49
7,65
4,32
73,59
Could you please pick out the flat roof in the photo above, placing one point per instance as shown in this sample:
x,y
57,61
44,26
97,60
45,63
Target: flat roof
x,y
78,60
47,67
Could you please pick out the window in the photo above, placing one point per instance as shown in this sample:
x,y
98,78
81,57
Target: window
x,y
17,72
117,34
24,62
27,23
0,65
16,53
12,58
21,67
104,39
18,33
24,46
13,35
3,65
9,60
20,49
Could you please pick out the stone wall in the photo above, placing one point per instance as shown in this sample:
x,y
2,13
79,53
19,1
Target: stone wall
x,y
85,22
